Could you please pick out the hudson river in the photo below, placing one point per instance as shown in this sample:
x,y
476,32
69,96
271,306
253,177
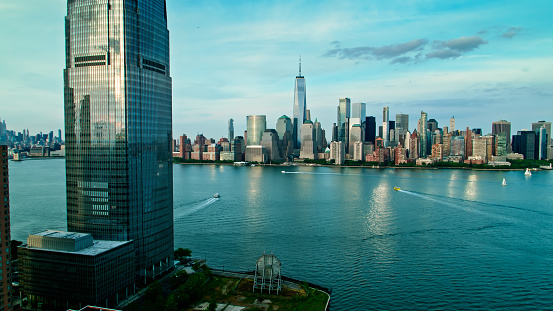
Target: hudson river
x,y
451,239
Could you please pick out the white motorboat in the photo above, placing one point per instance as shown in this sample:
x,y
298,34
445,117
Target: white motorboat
x,y
527,173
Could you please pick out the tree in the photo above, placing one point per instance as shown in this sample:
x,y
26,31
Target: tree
x,y
182,254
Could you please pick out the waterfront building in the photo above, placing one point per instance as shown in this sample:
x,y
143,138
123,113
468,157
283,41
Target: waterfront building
x,y
308,145
270,141
185,147
299,108
501,145
284,128
344,106
479,147
503,127
230,129
541,143
536,126
256,126
118,124
437,152
400,155
414,145
337,152
446,141
5,260
70,269
370,129
385,126
423,135
256,153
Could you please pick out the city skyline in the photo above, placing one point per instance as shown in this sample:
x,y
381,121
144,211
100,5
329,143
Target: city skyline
x,y
479,62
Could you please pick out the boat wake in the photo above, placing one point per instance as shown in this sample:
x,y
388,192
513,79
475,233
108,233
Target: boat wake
x,y
193,208
440,199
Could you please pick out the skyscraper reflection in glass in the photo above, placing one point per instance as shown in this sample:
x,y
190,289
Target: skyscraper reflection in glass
x,y
118,119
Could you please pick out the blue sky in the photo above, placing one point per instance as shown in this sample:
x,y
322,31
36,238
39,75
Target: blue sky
x,y
479,61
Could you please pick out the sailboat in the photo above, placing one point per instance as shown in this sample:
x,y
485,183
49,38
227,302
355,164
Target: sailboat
x,y
504,183
527,173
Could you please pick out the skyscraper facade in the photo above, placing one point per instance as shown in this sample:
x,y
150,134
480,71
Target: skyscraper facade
x,y
230,129
503,127
402,126
299,108
344,107
5,272
385,127
423,137
118,123
370,129
257,124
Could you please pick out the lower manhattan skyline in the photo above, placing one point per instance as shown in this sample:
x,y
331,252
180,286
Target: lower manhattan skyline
x,y
479,62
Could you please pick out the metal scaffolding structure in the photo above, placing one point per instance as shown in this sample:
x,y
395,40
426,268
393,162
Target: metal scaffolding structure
x,y
267,274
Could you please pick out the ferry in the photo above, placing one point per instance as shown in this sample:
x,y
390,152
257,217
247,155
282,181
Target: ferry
x,y
397,188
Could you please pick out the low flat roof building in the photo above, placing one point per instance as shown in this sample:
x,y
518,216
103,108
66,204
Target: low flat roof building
x,y
71,269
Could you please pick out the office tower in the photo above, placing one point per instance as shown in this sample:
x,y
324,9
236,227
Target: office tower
x,y
256,126
356,135
319,136
370,129
452,124
230,129
337,152
536,126
502,126
59,136
432,125
423,135
541,143
527,144
308,147
358,114
402,126
5,273
414,146
299,108
458,146
343,120
307,115
468,143
270,141
118,123
284,129
385,129
479,147
392,132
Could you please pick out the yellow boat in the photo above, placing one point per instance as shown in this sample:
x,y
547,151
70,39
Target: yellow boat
x,y
397,188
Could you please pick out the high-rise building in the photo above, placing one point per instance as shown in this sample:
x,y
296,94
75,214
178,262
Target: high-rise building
x,y
452,124
308,144
284,130
256,126
423,135
358,115
432,125
370,129
385,127
402,126
503,127
544,138
5,272
299,108
230,129
118,125
344,107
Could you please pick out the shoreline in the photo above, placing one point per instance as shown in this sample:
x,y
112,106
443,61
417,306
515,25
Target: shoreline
x,y
374,167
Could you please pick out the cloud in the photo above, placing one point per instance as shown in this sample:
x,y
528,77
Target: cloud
x,y
462,44
443,54
511,32
379,52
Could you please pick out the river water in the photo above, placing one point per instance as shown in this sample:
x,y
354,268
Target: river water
x,y
450,239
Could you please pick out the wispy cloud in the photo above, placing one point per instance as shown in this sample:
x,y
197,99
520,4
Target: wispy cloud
x,y
409,52
511,32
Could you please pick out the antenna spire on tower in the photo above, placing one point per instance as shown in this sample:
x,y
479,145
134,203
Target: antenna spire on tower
x,y
300,66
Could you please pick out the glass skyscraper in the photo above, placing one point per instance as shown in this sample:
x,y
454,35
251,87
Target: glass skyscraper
x,y
117,96
299,108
